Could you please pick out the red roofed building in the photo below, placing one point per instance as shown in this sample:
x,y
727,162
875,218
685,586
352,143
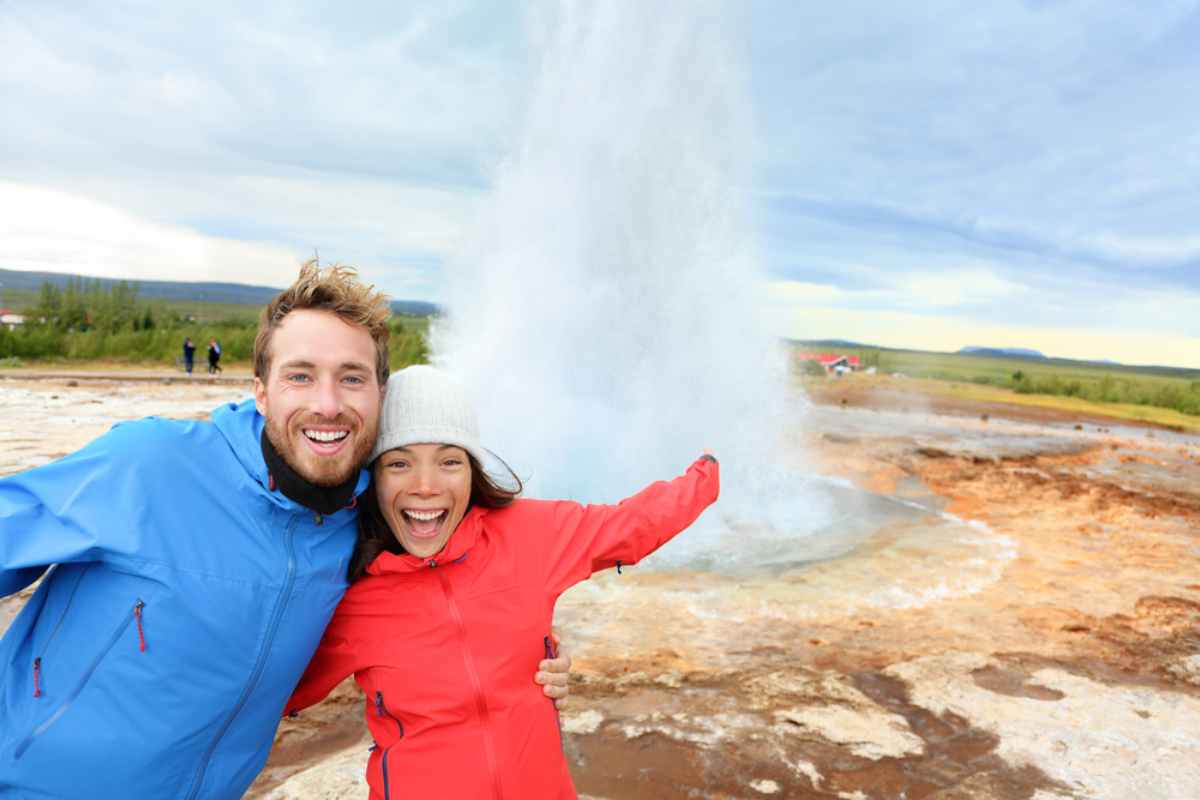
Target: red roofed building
x,y
832,362
10,319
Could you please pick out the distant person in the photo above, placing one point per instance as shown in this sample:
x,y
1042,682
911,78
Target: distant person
x,y
155,657
454,583
214,356
189,356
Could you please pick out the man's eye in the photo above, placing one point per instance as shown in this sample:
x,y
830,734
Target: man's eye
x,y
356,380
298,377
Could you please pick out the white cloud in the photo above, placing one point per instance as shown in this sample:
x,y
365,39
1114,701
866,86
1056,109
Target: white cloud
x,y
1146,250
44,229
955,287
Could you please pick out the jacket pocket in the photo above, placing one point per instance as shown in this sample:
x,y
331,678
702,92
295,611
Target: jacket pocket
x,y
86,676
381,710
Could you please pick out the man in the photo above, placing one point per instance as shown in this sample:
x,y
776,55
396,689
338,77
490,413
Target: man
x,y
155,658
189,355
214,357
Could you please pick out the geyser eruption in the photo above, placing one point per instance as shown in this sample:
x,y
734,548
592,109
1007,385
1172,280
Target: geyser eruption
x,y
606,311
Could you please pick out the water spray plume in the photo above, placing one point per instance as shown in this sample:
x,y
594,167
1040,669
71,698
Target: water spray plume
x,y
605,314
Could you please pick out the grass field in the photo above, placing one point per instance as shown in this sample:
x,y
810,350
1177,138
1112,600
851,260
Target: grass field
x,y
233,325
1167,417
1127,391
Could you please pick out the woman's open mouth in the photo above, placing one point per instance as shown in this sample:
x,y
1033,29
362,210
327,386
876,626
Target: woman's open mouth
x,y
424,524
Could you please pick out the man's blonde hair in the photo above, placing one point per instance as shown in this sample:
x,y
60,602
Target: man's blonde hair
x,y
336,289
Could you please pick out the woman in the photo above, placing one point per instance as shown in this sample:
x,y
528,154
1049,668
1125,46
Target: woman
x,y
454,585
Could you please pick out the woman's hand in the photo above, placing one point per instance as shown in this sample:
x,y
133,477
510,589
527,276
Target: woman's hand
x,y
554,673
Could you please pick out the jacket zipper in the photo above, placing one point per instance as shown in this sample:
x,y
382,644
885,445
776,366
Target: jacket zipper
x,y
480,700
74,693
387,792
268,640
37,662
137,614
381,711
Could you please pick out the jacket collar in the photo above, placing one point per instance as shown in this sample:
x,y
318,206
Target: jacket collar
x,y
242,427
458,548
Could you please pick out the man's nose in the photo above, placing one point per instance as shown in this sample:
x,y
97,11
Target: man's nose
x,y
327,400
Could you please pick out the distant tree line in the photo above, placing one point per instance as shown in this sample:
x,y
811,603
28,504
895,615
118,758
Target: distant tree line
x,y
86,320
83,305
1179,395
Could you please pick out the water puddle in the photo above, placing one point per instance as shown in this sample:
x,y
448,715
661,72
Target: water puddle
x,y
874,552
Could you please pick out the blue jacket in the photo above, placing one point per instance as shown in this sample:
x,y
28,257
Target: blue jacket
x,y
155,659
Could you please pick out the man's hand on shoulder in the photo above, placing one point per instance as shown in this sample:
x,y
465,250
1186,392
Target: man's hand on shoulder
x,y
554,674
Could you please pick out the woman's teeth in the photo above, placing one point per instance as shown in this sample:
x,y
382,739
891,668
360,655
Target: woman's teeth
x,y
423,516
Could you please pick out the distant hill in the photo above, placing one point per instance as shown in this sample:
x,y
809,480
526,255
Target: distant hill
x,y
1002,352
235,293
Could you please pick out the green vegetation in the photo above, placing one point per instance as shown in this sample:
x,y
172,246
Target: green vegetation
x,y
88,321
408,343
1176,393
1161,387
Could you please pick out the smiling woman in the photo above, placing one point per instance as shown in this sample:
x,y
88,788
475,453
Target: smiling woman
x,y
455,581
423,490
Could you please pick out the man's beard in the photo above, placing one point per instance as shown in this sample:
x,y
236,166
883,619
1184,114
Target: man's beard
x,y
323,471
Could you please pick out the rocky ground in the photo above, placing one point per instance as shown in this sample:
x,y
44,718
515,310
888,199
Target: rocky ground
x,y
1025,625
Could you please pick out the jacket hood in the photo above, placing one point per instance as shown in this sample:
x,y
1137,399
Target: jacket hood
x,y
457,548
242,427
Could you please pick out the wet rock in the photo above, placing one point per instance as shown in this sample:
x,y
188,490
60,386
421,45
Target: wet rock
x,y
1097,740
582,723
839,713
341,776
1187,669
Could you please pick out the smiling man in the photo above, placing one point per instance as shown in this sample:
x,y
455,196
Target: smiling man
x,y
320,398
194,566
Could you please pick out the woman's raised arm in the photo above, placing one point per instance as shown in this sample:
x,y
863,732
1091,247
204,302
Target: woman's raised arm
x,y
586,539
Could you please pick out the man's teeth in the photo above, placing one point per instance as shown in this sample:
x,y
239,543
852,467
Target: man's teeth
x,y
422,516
326,436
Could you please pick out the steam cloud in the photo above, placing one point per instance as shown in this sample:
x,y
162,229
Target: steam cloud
x,y
605,312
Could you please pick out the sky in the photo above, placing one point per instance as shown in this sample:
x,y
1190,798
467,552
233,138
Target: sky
x,y
929,175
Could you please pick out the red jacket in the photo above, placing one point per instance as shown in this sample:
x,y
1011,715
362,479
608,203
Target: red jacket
x,y
446,648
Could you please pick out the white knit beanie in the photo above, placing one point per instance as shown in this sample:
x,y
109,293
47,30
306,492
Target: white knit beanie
x,y
424,405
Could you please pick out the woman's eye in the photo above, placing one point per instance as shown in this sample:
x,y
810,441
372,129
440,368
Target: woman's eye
x,y
452,462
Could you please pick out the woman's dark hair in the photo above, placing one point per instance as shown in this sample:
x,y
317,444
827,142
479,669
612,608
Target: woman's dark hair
x,y
375,536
